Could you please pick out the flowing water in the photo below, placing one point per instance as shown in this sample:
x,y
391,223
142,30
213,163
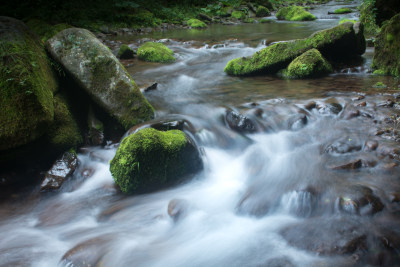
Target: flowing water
x,y
314,186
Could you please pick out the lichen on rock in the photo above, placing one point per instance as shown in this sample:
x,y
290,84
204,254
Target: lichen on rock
x,y
150,159
155,52
101,75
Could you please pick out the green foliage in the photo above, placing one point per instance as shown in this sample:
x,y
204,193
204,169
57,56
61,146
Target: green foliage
x,y
155,52
238,15
308,64
379,72
343,20
195,23
262,11
368,17
343,10
294,13
44,30
151,159
266,21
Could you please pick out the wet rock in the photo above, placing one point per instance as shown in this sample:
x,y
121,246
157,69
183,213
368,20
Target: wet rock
x,y
359,200
351,113
61,170
357,164
310,105
100,74
279,262
151,87
371,145
296,122
203,16
125,52
177,208
239,122
343,146
95,135
87,253
394,197
164,125
386,104
357,98
362,104
330,108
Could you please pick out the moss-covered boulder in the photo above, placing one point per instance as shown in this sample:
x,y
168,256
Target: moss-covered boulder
x,y
294,13
344,10
238,15
125,52
196,24
26,85
64,132
387,48
307,65
343,41
101,75
155,52
150,159
262,11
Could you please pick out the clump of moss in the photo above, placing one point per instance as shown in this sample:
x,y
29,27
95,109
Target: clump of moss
x,y
379,85
197,24
238,15
125,52
155,52
64,133
249,20
44,30
26,85
266,21
379,72
344,10
343,20
387,48
294,13
307,65
262,11
150,159
339,42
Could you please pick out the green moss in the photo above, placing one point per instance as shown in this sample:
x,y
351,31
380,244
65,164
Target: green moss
x,y
262,11
266,21
26,87
238,15
64,133
344,10
155,52
294,13
125,52
387,48
249,20
379,72
44,30
151,159
277,56
343,20
197,24
308,64
379,85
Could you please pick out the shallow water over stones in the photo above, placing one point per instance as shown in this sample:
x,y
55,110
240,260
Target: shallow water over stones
x,y
315,184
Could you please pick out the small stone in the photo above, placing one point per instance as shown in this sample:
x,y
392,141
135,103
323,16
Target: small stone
x,y
239,122
362,104
371,145
310,105
177,208
350,166
151,87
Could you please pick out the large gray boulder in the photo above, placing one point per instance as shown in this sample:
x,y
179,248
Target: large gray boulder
x,y
343,41
26,85
101,75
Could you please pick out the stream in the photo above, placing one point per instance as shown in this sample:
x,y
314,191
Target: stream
x,y
316,185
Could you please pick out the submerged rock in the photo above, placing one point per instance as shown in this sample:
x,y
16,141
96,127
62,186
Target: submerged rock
x,y
308,64
343,41
125,52
177,208
101,75
61,170
26,85
294,13
239,122
387,48
155,52
149,160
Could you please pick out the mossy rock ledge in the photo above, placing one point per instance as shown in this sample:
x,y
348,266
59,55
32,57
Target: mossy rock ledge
x,y
155,52
26,85
344,41
387,48
149,160
307,65
294,13
101,75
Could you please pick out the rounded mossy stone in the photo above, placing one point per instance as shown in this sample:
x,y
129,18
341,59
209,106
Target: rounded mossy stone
x,y
101,75
155,52
125,52
238,15
387,48
64,132
344,10
343,20
343,41
197,24
262,11
294,13
150,159
307,65
27,84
